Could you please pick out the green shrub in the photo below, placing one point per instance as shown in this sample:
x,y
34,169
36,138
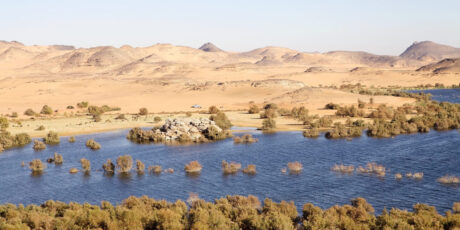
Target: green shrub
x,y
268,113
51,138
271,106
46,110
124,163
120,117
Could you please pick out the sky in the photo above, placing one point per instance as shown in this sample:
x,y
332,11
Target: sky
x,y
376,26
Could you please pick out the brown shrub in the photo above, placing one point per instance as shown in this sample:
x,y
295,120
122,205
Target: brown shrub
x,y
140,167
143,111
331,106
46,110
253,109
155,169
398,176
456,207
449,179
124,163
372,168
157,119
108,167
29,112
73,170
51,138
245,139
36,166
193,167
268,124
313,132
188,114
58,159
250,169
38,145
213,109
295,167
230,168
343,168
71,139
92,144
221,120
85,165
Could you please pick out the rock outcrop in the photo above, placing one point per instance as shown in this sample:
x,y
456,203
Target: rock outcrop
x,y
182,130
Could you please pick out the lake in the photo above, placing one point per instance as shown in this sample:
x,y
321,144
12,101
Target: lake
x,y
434,153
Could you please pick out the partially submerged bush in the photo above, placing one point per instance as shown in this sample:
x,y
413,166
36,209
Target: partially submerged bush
x,y
341,131
38,145
73,170
449,179
46,110
155,169
418,176
51,138
230,168
108,167
398,176
140,167
92,144
250,169
245,139
372,168
85,165
213,110
295,167
268,124
71,139
343,168
143,111
124,163
36,166
193,167
58,159
311,133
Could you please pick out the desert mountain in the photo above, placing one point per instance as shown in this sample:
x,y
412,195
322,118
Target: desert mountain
x,y
430,51
449,65
209,47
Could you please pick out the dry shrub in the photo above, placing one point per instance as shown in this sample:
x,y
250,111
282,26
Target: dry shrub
x,y
268,113
418,176
124,163
295,167
143,111
398,176
120,117
71,139
37,166
46,110
221,120
73,170
85,165
331,106
343,168
245,139
230,168
169,170
82,104
58,159
157,119
108,167
250,169
213,110
253,109
51,138
92,144
449,179
40,128
268,124
372,168
38,145
140,167
456,207
193,167
155,169
188,114
311,133
192,198
29,112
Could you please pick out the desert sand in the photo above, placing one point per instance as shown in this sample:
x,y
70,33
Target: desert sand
x,y
166,78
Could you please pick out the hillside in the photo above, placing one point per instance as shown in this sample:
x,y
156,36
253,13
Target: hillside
x,y
430,51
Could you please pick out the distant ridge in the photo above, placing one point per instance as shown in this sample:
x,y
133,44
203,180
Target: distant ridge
x,y
448,65
430,51
209,47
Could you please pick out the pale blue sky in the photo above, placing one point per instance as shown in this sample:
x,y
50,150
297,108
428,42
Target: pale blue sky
x,y
377,26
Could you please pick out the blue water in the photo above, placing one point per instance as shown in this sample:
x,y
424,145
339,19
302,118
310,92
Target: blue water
x,y
434,153
442,95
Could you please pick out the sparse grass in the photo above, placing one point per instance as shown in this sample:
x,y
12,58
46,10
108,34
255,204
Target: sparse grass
x,y
38,145
245,139
155,169
373,168
124,164
92,144
295,167
140,167
108,167
52,138
193,167
37,166
250,169
343,168
85,165
230,168
449,179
